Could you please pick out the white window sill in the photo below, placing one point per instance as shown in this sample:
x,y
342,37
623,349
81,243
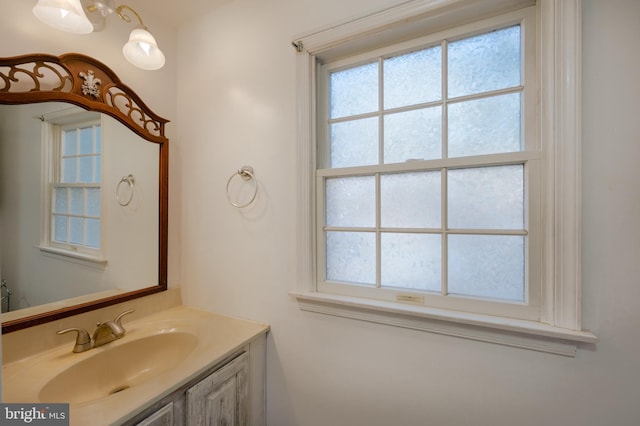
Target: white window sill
x,y
504,331
79,258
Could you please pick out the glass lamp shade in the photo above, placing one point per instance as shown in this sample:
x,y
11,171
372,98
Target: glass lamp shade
x,y
142,50
63,15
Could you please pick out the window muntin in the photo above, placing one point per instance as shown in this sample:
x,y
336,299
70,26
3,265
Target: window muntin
x,y
425,174
76,207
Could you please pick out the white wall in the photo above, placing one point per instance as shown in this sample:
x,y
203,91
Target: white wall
x,y
236,106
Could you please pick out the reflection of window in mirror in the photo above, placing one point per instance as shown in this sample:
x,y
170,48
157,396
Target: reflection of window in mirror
x,y
75,188
72,188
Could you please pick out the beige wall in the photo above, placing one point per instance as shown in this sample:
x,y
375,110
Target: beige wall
x,y
331,371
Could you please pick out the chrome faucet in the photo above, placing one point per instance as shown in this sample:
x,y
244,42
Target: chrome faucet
x,y
105,332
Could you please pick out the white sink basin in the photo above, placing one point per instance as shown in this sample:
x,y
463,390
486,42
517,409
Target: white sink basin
x,y
115,368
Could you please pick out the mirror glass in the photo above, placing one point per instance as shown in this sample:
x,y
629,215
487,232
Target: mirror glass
x,y
83,190
36,272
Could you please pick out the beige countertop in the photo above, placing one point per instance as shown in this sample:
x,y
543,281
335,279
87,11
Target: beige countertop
x,y
218,338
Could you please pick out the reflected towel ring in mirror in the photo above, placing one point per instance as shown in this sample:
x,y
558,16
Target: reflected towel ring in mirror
x,y
129,180
246,173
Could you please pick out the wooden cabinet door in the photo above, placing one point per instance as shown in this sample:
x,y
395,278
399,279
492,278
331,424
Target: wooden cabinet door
x,y
221,399
162,417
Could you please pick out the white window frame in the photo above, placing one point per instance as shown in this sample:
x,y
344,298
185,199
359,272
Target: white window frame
x,y
528,157
52,126
559,328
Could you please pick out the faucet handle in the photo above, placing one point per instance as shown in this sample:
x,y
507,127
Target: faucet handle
x,y
83,341
118,319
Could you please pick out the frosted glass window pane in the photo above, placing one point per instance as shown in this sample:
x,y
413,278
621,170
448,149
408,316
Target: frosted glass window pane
x,y
486,197
93,202
413,135
93,233
487,266
98,139
351,201
351,257
69,170
485,62
485,126
75,230
86,140
354,91
86,169
411,200
411,261
61,203
77,201
354,143
413,78
60,228
70,143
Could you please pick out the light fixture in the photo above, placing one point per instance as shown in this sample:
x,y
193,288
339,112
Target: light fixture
x,y
68,15
63,15
142,50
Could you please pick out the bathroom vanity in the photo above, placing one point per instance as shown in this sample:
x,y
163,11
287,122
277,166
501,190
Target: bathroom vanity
x,y
179,366
220,398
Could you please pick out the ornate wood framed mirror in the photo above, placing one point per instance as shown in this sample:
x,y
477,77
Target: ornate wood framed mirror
x,y
89,84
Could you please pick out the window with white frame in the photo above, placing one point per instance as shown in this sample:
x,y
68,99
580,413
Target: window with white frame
x,y
427,170
74,189
433,197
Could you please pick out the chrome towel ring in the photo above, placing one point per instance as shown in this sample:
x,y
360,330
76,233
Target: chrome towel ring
x,y
129,180
246,173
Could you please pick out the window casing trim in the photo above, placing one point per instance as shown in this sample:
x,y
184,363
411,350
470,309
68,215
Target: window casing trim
x,y
504,331
559,41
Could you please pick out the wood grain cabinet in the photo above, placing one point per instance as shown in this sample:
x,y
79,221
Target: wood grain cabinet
x,y
221,398
231,393
162,417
